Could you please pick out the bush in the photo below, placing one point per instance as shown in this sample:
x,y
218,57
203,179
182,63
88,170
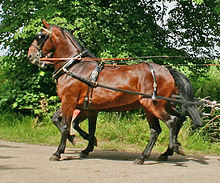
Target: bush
x,y
25,89
208,86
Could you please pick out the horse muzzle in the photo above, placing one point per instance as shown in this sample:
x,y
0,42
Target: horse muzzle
x,y
35,59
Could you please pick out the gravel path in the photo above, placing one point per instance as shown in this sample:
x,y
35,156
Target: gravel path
x,y
25,163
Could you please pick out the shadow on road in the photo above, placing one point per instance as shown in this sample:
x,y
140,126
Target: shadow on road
x,y
8,146
7,167
177,160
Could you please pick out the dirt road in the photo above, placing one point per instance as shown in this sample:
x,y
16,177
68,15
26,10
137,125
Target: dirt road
x,y
25,163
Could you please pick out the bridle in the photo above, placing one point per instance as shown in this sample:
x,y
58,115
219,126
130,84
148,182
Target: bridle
x,y
41,42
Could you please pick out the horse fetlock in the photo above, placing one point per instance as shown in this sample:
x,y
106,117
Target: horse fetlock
x,y
162,157
178,149
84,154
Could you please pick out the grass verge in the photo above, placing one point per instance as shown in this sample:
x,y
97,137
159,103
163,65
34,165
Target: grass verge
x,y
115,131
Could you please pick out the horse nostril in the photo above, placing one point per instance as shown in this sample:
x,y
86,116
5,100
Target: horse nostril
x,y
30,57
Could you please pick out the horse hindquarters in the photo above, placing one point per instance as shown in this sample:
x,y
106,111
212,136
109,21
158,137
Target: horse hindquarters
x,y
165,83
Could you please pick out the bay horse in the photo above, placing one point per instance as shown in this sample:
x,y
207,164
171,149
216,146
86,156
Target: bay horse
x,y
59,43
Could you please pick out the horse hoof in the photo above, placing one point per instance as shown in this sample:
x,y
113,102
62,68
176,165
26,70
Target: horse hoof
x,y
54,158
138,162
82,155
162,158
179,150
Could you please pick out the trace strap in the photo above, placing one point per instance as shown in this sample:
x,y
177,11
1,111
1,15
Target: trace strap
x,y
96,84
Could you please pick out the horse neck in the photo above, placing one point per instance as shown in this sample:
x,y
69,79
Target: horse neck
x,y
64,49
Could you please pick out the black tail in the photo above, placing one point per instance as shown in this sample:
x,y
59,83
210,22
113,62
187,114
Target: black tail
x,y
186,91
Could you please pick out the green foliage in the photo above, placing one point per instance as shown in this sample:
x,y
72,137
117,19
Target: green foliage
x,y
107,28
23,88
207,85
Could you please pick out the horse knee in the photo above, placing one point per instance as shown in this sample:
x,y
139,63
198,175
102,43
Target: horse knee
x,y
64,130
172,121
155,132
56,118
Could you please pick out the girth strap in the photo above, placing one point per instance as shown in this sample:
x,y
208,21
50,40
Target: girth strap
x,y
154,96
93,78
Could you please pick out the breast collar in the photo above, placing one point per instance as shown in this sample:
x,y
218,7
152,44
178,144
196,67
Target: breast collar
x,y
76,59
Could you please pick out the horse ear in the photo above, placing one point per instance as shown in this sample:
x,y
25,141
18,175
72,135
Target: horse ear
x,y
46,25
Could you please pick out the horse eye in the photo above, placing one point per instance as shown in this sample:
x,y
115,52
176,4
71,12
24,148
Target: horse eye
x,y
40,35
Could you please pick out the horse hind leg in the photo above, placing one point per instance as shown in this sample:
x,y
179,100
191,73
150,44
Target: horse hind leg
x,y
155,130
79,118
177,147
171,121
92,116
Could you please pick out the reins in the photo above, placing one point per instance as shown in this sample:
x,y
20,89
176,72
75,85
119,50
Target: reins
x,y
134,59
111,59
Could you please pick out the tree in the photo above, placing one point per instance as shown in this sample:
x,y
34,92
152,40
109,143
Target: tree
x,y
108,28
128,27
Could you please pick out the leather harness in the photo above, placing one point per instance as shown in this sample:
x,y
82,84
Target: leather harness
x,y
92,81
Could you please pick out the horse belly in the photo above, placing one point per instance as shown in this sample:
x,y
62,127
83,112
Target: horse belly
x,y
112,99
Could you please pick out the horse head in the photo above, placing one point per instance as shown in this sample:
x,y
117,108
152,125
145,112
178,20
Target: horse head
x,y
54,42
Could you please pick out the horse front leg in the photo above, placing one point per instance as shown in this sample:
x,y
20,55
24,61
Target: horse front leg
x,y
57,121
64,134
92,116
67,110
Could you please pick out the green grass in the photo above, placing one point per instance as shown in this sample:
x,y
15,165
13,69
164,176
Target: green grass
x,y
114,132
20,128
